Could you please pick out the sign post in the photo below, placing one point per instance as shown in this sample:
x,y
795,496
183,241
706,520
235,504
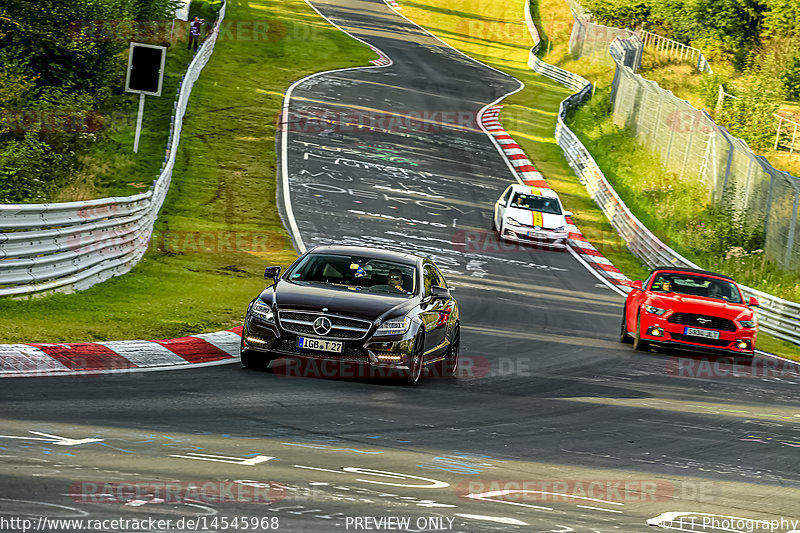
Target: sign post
x,y
145,76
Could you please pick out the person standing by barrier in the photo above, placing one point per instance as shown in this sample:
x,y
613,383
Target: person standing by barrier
x,y
194,32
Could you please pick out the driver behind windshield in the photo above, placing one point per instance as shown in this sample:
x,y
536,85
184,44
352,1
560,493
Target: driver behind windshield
x,y
395,279
662,284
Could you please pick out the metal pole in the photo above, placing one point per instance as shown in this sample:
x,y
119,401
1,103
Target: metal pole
x,y
138,124
778,135
794,135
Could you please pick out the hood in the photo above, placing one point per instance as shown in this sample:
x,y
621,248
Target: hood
x,y
549,220
338,300
699,305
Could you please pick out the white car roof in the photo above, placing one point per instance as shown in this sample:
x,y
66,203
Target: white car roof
x,y
538,191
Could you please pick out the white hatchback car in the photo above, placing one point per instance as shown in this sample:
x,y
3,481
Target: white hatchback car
x,y
531,215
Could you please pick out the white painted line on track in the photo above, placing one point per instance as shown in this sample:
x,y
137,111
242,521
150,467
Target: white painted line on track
x,y
498,519
599,509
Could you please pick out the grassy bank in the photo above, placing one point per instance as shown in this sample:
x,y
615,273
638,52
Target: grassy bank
x,y
219,226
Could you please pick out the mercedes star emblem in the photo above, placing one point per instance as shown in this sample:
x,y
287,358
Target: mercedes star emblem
x,y
322,325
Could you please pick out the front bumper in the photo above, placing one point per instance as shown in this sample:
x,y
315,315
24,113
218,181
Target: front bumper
x,y
673,335
546,238
387,351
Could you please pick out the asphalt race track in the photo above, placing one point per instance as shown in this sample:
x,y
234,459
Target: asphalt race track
x,y
552,426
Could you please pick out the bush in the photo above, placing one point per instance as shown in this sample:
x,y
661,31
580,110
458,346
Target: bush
x,y
751,117
46,65
708,88
790,79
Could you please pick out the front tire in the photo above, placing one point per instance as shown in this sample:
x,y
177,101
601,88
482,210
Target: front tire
x,y
255,360
448,367
624,337
638,344
415,364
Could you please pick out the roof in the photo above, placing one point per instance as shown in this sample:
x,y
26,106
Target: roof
x,y
692,271
372,253
527,189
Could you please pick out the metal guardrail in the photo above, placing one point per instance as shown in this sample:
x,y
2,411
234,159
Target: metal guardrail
x,y
71,246
777,316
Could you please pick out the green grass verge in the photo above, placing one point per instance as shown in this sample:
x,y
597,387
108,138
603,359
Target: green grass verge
x,y
495,34
223,190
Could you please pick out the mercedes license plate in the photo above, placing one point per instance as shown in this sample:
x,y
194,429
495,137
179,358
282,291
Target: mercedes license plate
x,y
708,334
320,344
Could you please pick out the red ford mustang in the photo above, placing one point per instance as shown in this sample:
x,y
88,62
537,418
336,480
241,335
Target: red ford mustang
x,y
688,308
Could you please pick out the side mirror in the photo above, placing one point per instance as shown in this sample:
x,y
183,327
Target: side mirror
x,y
439,292
567,213
753,302
272,273
637,285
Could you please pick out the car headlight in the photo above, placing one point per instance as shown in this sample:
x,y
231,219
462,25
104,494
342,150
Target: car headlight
x,y
655,310
513,222
394,326
749,323
262,311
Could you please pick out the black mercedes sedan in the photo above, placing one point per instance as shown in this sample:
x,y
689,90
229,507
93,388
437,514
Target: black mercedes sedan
x,y
390,312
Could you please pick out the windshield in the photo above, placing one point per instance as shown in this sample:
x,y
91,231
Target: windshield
x,y
357,273
697,286
531,202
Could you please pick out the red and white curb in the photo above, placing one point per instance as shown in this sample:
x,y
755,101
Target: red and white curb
x,y
394,5
94,358
527,174
382,61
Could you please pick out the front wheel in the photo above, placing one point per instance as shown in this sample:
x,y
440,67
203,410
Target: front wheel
x,y
624,337
638,344
448,367
255,360
415,364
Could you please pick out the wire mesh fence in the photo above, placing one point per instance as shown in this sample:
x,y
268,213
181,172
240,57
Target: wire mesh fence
x,y
691,144
589,39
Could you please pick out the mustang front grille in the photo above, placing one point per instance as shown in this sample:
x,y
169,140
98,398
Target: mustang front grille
x,y
703,321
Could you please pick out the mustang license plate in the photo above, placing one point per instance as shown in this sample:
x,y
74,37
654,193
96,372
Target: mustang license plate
x,y
321,345
708,334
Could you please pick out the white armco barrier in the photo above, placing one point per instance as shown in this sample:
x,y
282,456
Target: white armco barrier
x,y
71,246
777,316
